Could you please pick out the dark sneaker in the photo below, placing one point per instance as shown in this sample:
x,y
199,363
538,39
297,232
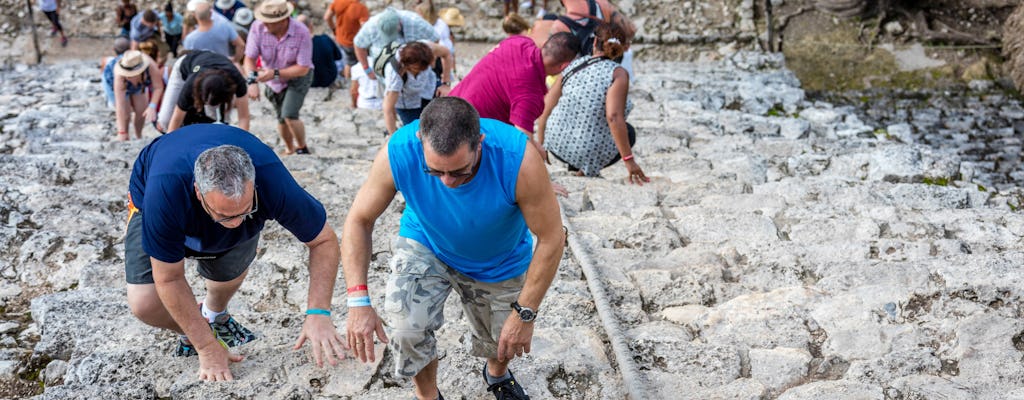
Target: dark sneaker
x,y
507,389
302,150
64,42
439,396
230,331
185,349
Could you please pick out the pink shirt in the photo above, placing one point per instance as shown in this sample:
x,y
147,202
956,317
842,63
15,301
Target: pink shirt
x,y
295,47
508,83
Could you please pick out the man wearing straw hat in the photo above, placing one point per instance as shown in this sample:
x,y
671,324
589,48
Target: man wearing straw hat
x,y
286,48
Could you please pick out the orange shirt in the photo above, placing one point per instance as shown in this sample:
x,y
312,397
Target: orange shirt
x,y
349,16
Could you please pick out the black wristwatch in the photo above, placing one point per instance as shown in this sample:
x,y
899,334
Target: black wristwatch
x,y
526,314
252,78
277,73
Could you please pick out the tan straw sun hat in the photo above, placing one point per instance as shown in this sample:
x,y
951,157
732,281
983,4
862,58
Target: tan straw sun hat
x,y
132,63
270,11
452,16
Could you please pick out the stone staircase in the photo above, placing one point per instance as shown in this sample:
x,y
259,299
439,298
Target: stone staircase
x,y
784,249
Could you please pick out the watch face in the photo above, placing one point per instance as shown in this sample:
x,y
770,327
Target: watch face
x,y
527,314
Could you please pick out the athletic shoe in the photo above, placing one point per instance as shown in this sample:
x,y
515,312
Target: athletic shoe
x,y
230,332
64,41
302,150
186,349
507,389
439,396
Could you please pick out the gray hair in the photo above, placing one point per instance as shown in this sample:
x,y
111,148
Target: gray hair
x,y
449,122
224,168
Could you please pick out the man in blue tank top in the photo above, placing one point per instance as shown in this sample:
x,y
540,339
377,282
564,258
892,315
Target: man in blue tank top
x,y
204,192
474,191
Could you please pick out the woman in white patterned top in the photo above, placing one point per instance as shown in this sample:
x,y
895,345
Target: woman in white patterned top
x,y
584,120
409,87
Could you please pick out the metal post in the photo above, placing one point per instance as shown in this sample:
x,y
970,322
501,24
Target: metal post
x,y
35,37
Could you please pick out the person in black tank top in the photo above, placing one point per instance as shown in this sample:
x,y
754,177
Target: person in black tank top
x,y
205,87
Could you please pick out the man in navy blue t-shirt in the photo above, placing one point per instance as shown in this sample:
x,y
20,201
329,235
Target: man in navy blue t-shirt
x,y
204,192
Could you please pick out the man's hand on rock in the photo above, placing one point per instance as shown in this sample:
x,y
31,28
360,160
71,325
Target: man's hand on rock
x,y
363,323
214,362
323,337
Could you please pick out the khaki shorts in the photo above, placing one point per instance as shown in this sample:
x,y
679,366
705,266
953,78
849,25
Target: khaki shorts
x,y
288,103
417,288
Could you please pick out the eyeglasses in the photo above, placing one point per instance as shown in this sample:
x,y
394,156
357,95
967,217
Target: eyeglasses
x,y
244,216
460,173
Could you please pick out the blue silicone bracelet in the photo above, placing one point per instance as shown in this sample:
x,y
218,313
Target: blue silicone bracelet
x,y
318,311
359,301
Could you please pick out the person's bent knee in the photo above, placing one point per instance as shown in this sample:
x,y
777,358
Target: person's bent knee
x,y
145,304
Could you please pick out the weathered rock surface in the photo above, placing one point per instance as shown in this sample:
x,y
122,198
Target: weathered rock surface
x,y
784,249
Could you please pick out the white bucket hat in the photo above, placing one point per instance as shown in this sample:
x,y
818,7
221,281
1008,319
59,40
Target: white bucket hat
x,y
243,17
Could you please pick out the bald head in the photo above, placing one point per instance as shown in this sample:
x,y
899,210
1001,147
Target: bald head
x,y
203,11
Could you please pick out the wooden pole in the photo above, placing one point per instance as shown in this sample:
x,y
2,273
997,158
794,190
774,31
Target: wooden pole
x,y
35,36
770,26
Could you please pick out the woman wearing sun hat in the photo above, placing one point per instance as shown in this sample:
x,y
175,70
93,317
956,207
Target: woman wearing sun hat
x,y
134,73
286,49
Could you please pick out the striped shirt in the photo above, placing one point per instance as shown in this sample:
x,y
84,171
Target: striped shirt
x,y
295,47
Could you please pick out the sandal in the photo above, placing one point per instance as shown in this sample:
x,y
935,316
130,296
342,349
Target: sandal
x,y
122,136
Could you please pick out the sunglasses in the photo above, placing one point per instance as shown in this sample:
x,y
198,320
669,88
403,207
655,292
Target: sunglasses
x,y
243,216
463,172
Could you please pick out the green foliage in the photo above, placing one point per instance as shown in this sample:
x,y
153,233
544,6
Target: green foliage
x,y
776,111
940,181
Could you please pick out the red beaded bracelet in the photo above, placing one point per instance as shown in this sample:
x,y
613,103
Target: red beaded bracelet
x,y
357,288
627,158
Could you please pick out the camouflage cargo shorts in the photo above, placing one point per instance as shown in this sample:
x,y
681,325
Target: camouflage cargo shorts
x,y
417,288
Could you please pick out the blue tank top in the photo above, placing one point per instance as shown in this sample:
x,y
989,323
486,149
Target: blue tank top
x,y
108,70
477,228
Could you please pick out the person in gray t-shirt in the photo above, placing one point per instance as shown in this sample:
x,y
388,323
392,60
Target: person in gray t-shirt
x,y
214,35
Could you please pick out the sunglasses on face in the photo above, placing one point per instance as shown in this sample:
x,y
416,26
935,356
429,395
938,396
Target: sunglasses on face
x,y
243,216
463,172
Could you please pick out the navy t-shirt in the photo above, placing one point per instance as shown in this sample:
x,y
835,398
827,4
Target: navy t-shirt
x,y
173,218
325,51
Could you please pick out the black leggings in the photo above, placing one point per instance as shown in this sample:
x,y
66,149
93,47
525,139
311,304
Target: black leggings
x,y
55,20
632,140
172,42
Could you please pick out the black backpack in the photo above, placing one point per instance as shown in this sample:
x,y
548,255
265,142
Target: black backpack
x,y
585,33
387,56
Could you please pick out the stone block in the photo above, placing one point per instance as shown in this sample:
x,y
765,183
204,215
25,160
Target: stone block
x,y
779,368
